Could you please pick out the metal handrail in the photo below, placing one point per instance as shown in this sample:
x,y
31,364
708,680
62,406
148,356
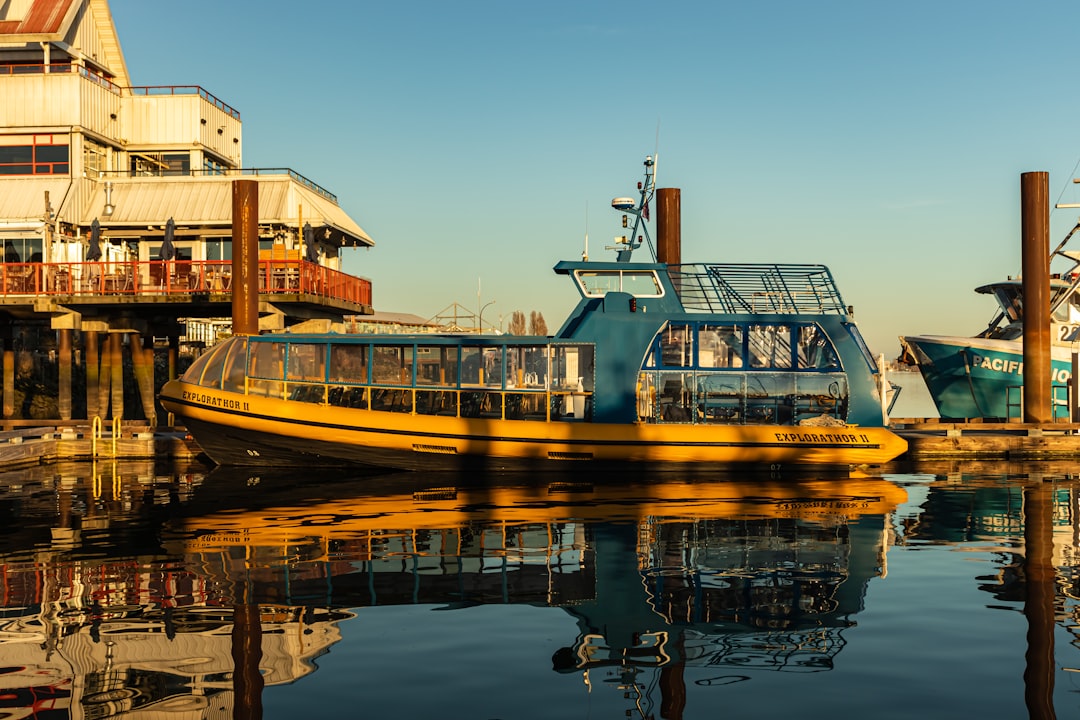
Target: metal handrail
x,y
176,277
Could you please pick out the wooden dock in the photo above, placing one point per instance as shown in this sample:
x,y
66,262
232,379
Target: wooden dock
x,y
932,438
49,444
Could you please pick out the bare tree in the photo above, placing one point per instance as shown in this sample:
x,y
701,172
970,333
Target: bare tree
x,y
537,326
517,323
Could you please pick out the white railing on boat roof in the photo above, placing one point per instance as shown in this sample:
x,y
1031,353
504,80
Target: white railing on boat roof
x,y
757,288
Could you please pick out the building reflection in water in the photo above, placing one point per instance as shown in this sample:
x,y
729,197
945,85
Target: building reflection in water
x,y
129,587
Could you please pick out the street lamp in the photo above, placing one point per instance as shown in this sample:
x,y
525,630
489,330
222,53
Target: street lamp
x,y
480,317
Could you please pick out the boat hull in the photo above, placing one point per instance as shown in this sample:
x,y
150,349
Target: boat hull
x,y
237,429
981,378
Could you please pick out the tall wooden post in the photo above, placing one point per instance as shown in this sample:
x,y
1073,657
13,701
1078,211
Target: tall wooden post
x,y
1035,265
9,373
93,377
63,352
116,369
669,225
245,257
142,362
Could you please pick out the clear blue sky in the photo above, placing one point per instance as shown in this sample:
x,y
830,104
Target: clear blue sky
x,y
472,139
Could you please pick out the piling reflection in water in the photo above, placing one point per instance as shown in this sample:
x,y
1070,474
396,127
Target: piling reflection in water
x,y
127,587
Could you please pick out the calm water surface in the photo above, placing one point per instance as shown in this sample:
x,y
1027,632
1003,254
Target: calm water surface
x,y
942,591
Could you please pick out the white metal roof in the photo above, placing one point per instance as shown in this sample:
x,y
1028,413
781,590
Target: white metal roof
x,y
23,198
207,201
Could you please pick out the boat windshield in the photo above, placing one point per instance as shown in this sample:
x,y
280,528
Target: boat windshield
x,y
639,283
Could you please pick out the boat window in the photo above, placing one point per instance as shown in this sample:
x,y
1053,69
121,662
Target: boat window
x,y
572,376
436,365
307,361
676,346
211,377
392,364
348,363
267,360
493,366
527,365
598,284
769,346
676,396
195,370
232,377
639,283
815,351
472,365
720,346
1011,300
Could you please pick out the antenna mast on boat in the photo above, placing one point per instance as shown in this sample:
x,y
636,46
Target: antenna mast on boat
x,y
585,252
627,244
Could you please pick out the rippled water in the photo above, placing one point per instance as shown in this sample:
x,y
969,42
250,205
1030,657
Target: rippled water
x,y
937,591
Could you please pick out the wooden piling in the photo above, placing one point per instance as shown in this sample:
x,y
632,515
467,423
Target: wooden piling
x,y
669,225
93,377
1035,230
63,352
245,257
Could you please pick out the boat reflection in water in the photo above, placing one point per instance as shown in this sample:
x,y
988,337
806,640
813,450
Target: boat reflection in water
x,y
171,593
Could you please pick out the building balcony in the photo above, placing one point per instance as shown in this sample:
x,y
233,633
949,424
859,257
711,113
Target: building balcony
x,y
176,280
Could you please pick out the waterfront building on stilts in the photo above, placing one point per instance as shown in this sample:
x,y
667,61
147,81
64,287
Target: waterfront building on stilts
x,y
116,217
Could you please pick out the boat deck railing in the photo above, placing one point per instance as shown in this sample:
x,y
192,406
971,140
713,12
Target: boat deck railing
x,y
82,280
757,288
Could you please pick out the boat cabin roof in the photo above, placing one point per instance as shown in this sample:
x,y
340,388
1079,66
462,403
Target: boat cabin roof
x,y
757,288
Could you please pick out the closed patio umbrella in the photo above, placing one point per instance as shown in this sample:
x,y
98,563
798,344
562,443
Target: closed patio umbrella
x,y
311,249
168,250
93,252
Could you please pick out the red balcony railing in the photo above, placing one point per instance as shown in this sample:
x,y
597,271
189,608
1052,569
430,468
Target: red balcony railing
x,y
177,277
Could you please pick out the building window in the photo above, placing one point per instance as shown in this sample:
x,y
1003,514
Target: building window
x,y
213,167
39,157
19,250
160,164
94,158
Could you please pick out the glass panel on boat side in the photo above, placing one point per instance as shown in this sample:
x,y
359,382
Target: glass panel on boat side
x,y
820,398
211,377
232,376
720,346
266,368
348,369
306,372
348,363
721,397
194,372
769,346
392,365
676,345
572,381
436,365
675,397
815,350
526,381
